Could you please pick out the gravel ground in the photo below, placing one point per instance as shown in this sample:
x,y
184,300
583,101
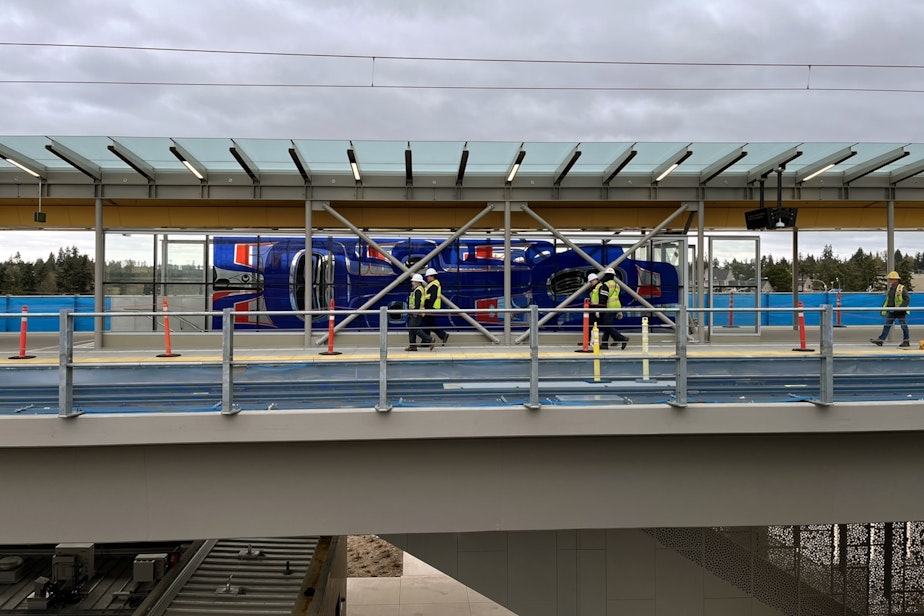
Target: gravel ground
x,y
369,556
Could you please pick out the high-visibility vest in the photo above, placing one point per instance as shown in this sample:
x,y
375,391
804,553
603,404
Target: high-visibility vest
x,y
416,299
595,294
434,294
899,300
612,300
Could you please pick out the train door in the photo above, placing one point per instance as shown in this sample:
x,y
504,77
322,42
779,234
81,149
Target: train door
x,y
734,284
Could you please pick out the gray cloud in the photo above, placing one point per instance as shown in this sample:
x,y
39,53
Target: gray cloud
x,y
706,31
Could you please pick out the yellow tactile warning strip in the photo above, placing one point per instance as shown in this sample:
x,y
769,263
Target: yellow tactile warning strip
x,y
453,354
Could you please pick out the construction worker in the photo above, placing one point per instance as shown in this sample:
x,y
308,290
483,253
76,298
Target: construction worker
x,y
433,299
415,303
606,295
896,297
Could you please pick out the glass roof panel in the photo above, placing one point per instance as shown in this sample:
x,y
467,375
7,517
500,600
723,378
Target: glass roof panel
x,y
491,157
651,155
154,150
34,148
760,153
597,157
813,152
916,155
436,157
214,154
268,154
545,158
486,158
325,156
93,149
703,155
380,157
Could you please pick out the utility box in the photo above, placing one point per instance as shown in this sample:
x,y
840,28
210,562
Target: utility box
x,y
149,567
72,561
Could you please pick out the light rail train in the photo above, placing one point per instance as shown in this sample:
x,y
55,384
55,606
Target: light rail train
x,y
252,274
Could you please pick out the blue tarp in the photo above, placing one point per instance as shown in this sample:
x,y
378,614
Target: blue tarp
x,y
44,305
84,303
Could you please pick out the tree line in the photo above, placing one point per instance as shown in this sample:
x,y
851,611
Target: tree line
x,y
862,272
70,273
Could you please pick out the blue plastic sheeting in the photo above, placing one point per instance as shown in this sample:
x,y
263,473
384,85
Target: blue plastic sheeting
x,y
742,301
48,304
809,300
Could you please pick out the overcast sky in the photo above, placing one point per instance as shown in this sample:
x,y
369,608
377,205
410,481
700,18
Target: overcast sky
x,y
764,74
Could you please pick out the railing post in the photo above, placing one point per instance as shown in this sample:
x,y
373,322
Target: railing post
x,y
826,384
227,365
680,367
533,403
66,366
383,406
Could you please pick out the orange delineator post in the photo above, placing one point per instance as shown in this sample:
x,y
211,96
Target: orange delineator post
x,y
802,346
586,325
731,309
23,328
838,310
585,346
330,332
167,352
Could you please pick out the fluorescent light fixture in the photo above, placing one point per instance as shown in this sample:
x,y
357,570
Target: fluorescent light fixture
x,y
354,166
667,172
192,169
184,157
666,169
515,168
813,170
819,172
23,167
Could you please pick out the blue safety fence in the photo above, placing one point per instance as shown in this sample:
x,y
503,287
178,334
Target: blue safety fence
x,y
45,304
744,318
741,303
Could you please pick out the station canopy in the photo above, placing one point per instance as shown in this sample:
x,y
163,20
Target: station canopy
x,y
267,163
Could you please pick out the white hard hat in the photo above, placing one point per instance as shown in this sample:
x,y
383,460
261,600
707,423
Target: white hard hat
x,y
417,278
591,276
609,270
430,272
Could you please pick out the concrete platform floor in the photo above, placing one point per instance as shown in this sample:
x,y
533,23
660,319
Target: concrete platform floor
x,y
421,591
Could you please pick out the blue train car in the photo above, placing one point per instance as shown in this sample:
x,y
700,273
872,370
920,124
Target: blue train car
x,y
252,274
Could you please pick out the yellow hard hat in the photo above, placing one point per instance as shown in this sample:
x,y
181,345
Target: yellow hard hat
x,y
893,275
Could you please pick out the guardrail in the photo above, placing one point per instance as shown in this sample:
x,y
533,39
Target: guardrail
x,y
67,364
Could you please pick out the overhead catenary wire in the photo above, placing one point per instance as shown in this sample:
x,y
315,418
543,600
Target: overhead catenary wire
x,y
803,86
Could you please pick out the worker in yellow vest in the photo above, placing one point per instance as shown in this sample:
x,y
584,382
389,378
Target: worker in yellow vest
x,y
415,304
896,297
433,300
606,295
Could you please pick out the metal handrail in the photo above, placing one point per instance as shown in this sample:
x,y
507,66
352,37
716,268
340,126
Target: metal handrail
x,y
228,407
